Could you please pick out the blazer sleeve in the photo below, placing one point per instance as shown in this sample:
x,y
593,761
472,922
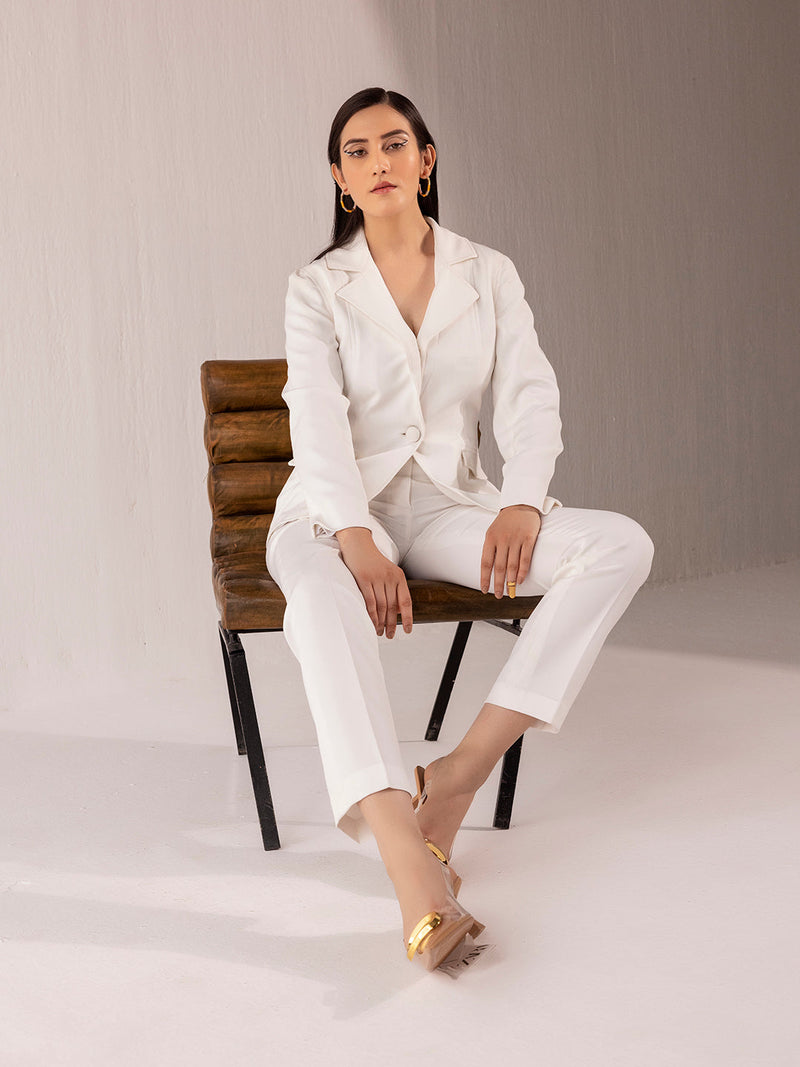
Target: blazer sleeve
x,y
526,420
322,443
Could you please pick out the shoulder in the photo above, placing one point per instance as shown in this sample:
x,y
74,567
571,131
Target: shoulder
x,y
308,303
307,284
486,253
490,271
488,263
456,246
310,272
494,259
494,272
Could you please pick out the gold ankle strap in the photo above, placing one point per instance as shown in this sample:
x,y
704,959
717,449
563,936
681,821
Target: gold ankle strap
x,y
421,931
437,852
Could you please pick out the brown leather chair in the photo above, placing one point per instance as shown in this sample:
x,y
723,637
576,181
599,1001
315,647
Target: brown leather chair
x,y
248,446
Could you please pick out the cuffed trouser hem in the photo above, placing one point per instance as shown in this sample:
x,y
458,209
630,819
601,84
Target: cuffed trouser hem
x,y
539,707
353,788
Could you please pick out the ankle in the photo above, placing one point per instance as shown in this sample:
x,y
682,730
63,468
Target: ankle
x,y
461,772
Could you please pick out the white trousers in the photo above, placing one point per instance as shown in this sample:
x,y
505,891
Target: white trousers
x,y
587,565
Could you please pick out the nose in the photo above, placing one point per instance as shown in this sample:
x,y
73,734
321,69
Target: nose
x,y
380,162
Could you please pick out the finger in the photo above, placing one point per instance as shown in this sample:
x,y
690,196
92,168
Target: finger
x,y
512,563
391,610
512,569
369,601
487,559
525,556
380,607
405,606
500,570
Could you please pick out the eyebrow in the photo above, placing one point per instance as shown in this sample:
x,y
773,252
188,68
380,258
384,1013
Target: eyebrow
x,y
363,140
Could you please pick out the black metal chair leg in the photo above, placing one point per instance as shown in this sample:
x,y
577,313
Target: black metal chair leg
x,y
508,784
252,739
237,719
448,680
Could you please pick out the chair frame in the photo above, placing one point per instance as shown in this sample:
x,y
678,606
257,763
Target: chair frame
x,y
248,735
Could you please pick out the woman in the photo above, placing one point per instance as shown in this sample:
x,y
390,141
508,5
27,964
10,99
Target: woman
x,y
393,334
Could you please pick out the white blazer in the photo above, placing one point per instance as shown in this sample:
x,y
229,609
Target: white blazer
x,y
364,393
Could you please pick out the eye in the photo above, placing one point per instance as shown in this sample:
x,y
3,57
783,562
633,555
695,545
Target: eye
x,y
355,152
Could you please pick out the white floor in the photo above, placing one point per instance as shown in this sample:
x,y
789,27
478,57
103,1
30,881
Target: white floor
x,y
643,906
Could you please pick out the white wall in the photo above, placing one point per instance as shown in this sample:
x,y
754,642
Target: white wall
x,y
163,170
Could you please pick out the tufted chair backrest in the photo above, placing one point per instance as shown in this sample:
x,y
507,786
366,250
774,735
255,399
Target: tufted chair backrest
x,y
248,445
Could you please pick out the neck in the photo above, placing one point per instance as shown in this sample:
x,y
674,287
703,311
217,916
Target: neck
x,y
398,235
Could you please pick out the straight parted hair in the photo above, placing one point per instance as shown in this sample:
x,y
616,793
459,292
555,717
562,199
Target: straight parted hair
x,y
345,224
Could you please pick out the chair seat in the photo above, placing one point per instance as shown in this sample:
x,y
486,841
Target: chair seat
x,y
249,599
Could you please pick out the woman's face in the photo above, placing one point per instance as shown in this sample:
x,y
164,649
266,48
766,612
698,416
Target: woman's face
x,y
377,145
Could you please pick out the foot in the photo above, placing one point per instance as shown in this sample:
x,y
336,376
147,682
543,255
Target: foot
x,y
420,888
420,881
451,788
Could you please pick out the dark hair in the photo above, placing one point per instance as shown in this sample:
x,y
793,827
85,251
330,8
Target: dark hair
x,y
345,224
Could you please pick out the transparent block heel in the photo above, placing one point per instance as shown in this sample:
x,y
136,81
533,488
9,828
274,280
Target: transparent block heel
x,y
439,932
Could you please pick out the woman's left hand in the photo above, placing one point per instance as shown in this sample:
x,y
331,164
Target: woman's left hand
x,y
508,546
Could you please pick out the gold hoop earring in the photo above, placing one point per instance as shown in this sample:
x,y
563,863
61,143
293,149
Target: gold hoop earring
x,y
349,210
427,190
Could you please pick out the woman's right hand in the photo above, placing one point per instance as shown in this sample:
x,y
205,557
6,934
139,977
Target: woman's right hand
x,y
382,583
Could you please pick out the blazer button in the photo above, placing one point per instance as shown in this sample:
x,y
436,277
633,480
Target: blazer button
x,y
412,433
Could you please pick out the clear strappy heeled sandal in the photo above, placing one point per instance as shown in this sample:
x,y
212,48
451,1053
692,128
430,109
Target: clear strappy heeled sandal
x,y
439,932
417,802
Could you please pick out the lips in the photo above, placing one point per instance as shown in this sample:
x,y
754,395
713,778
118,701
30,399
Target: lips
x,y
383,185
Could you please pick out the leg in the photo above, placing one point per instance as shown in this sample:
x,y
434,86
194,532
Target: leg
x,y
591,563
508,786
587,566
448,680
245,712
327,627
237,719
415,872
453,780
329,631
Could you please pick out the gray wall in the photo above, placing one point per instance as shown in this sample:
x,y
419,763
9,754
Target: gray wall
x,y
163,171
639,162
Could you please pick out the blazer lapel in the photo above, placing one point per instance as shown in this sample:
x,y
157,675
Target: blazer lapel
x,y
452,293
367,291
